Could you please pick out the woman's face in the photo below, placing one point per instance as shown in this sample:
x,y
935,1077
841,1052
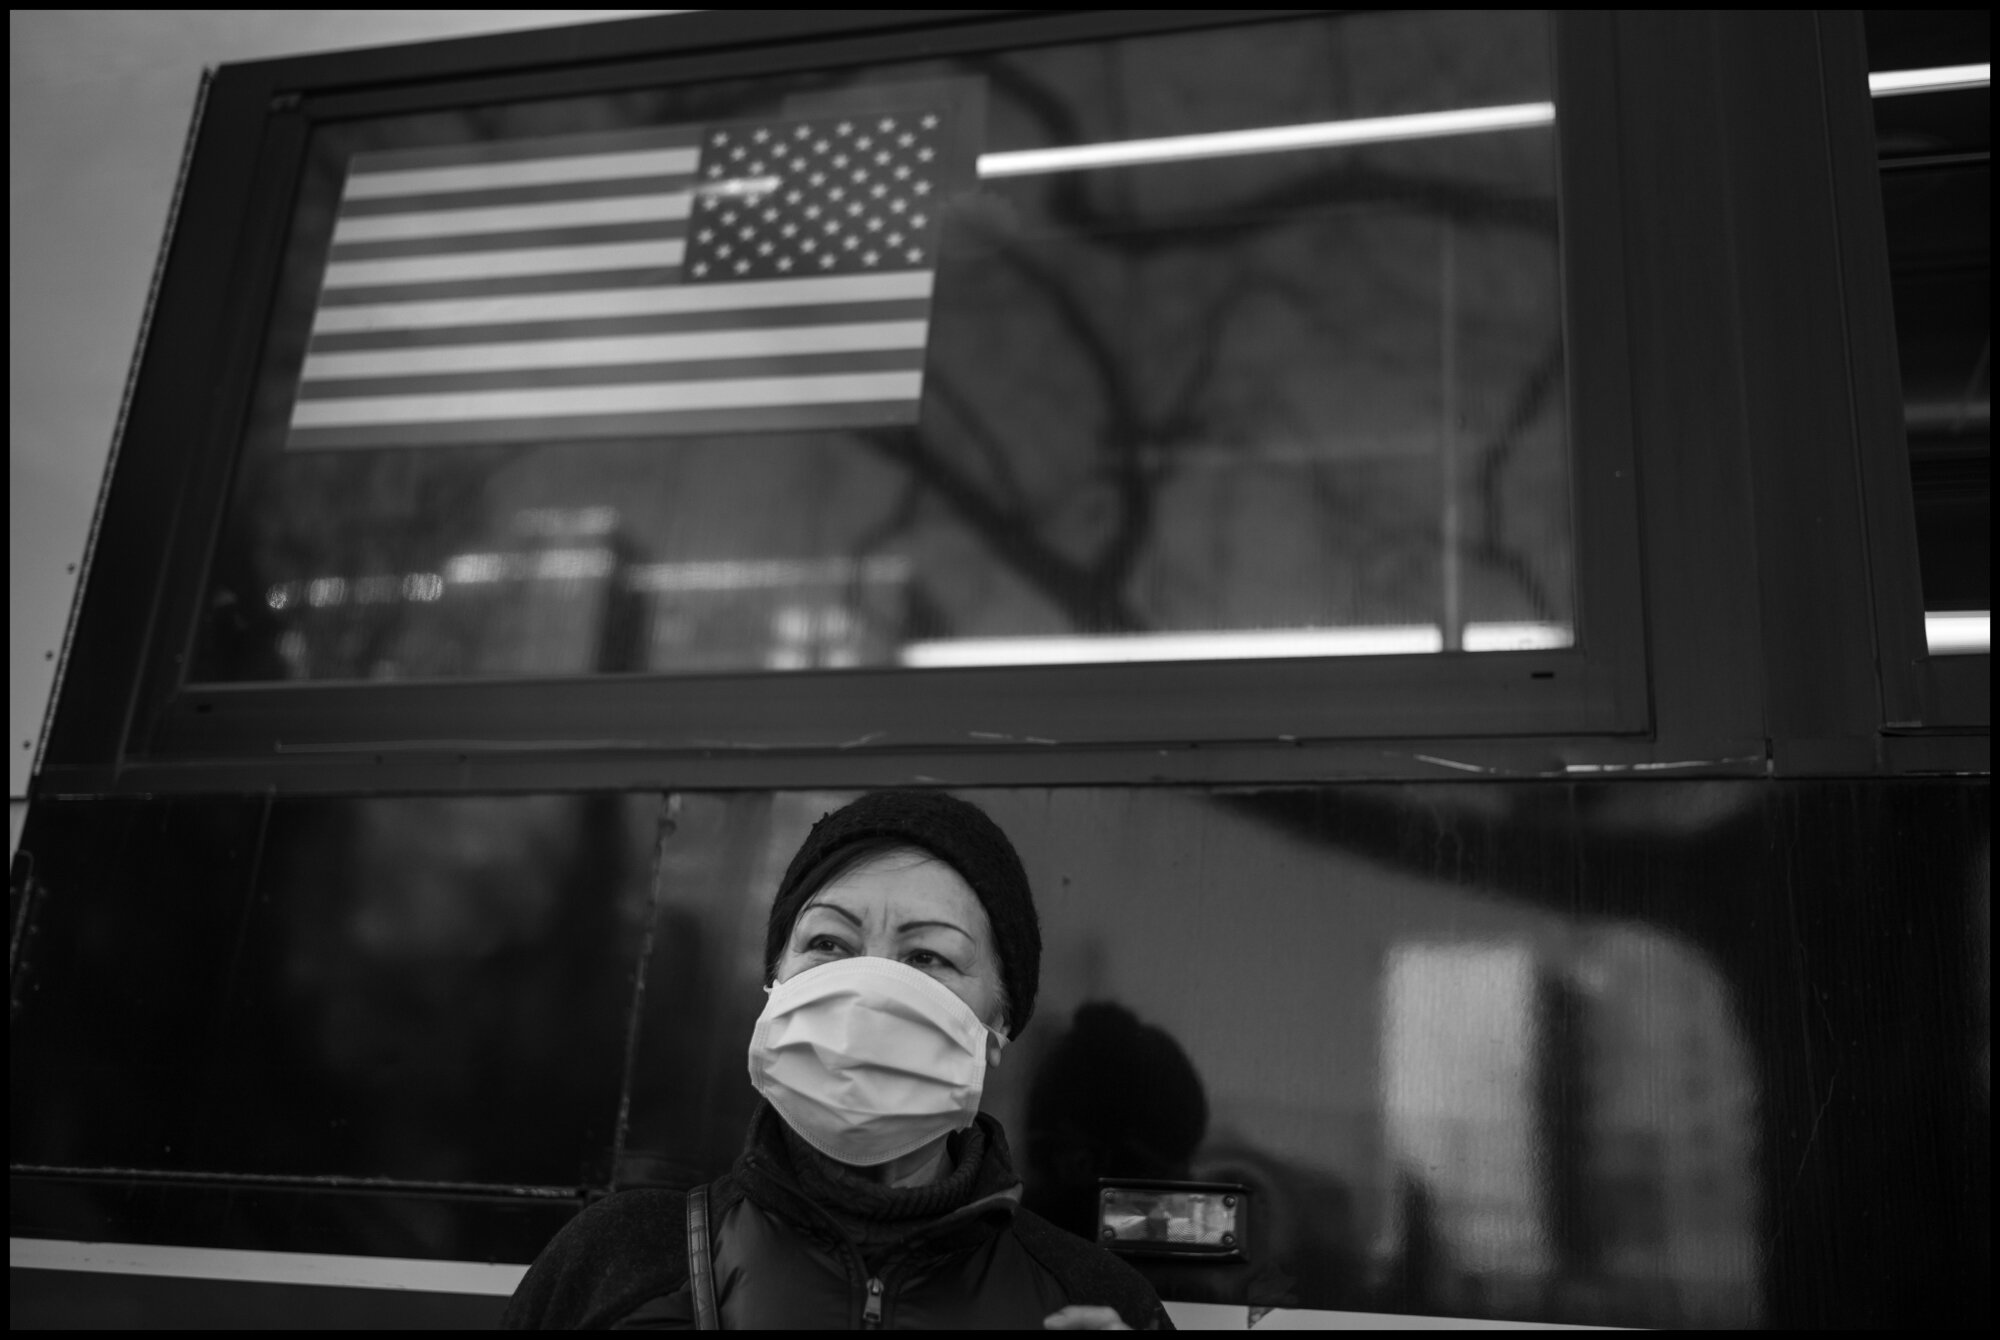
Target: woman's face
x,y
908,906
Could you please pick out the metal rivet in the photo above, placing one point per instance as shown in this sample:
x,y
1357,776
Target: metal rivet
x,y
1108,1235
1229,1202
1229,1239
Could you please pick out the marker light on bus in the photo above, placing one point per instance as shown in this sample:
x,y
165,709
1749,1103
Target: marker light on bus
x,y
1891,83
1959,632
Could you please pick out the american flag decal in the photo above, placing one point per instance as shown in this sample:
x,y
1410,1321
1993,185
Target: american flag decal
x,y
770,276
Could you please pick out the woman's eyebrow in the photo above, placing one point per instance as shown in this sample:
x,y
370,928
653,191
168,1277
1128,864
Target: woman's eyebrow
x,y
917,925
835,907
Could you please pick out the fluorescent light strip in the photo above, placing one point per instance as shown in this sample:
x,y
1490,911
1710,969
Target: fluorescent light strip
x,y
208,1263
1892,83
1377,130
1959,632
1270,139
1251,644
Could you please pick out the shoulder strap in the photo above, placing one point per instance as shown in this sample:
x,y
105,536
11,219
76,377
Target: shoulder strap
x,y
701,1264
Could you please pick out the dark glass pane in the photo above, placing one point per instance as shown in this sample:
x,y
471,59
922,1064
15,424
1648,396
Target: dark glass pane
x,y
545,393
422,989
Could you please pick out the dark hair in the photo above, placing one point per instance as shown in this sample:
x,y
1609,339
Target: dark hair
x,y
832,866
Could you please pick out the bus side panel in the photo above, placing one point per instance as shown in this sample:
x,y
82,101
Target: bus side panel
x,y
1689,1052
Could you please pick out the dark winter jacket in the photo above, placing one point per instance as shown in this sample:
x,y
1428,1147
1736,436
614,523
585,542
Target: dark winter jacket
x,y
784,1259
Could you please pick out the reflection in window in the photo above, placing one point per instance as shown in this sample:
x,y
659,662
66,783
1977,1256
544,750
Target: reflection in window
x,y
1239,342
1575,1141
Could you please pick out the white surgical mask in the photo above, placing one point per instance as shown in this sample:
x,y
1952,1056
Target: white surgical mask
x,y
869,1059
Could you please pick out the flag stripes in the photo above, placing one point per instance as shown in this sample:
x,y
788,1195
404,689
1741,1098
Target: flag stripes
x,y
542,290
500,330
602,374
526,355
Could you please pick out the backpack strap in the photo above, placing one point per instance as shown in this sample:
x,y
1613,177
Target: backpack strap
x,y
701,1264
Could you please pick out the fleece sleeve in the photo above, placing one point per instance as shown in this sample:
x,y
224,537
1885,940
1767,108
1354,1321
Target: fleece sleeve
x,y
606,1262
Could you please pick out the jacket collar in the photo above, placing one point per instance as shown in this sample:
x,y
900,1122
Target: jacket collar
x,y
768,1173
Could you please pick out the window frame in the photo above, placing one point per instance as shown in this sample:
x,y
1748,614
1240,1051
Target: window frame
x,y
143,726
1927,698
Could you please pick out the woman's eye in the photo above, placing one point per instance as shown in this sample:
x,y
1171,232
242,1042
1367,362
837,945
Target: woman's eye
x,y
824,944
924,958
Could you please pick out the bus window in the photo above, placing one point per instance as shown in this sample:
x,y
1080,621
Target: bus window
x,y
1927,72
1235,343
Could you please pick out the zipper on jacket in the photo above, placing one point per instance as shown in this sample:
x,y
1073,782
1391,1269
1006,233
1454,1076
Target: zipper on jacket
x,y
871,1315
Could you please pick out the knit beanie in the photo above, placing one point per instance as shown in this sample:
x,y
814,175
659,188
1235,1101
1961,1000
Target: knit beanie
x,y
956,832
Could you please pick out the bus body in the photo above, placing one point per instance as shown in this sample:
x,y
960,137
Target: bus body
x,y
1440,604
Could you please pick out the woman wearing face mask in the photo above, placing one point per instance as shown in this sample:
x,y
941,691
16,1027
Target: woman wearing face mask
x,y
901,957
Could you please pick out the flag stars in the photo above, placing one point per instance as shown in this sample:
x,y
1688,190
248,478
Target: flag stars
x,y
850,195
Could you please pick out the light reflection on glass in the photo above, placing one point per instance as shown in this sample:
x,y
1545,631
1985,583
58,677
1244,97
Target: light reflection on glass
x,y
1576,1132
